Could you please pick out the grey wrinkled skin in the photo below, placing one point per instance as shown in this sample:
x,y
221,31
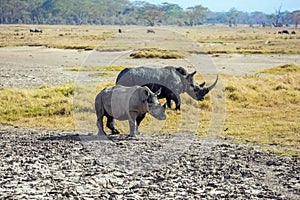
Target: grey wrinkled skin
x,y
155,109
172,80
126,103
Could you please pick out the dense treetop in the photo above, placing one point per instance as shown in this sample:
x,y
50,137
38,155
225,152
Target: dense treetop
x,y
124,12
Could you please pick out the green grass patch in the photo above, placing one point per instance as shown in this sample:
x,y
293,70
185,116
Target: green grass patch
x,y
43,106
291,68
156,53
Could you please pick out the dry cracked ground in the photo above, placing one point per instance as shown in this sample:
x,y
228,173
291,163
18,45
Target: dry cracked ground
x,y
47,164
43,164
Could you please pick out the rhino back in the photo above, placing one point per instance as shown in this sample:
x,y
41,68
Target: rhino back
x,y
120,101
121,74
166,76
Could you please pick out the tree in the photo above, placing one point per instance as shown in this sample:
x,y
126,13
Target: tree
x,y
197,15
173,13
258,18
119,12
150,13
294,17
232,17
278,17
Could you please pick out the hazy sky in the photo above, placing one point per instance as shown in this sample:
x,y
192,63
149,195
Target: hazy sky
x,y
267,6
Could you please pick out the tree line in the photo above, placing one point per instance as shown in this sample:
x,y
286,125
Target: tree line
x,y
124,12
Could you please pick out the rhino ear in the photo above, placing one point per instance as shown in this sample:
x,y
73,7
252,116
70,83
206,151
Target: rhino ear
x,y
158,92
192,74
202,84
189,77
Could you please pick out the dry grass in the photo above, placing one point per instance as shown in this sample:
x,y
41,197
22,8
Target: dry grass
x,y
97,68
59,36
210,38
262,110
222,39
259,109
99,71
291,68
49,107
156,53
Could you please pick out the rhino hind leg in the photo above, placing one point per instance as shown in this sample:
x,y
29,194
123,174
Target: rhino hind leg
x,y
110,124
133,128
177,105
169,103
100,125
175,99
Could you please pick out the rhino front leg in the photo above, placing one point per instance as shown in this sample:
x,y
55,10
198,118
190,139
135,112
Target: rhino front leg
x,y
138,121
177,102
110,124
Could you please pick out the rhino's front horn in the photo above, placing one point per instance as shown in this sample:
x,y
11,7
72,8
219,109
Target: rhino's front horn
x,y
214,84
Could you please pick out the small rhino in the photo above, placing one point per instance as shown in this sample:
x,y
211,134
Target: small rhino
x,y
127,103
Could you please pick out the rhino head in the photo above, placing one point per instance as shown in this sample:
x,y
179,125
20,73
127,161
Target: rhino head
x,y
155,109
197,91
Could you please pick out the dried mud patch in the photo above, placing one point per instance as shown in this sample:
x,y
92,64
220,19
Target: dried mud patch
x,y
44,164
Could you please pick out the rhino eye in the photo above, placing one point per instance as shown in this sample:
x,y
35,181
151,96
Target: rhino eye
x,y
196,89
150,100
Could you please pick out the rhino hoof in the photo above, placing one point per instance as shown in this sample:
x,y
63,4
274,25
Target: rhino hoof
x,y
115,132
132,135
101,133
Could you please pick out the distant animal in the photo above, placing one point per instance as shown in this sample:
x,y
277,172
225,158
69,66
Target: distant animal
x,y
266,25
277,24
35,30
126,103
120,30
173,81
279,32
293,32
150,31
285,32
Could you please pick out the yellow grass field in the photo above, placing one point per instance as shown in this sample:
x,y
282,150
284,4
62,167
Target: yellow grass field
x,y
260,109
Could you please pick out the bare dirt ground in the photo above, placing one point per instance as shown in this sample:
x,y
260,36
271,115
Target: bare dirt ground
x,y
35,66
47,164
41,164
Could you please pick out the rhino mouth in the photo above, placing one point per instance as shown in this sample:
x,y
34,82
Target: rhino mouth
x,y
201,98
201,91
157,111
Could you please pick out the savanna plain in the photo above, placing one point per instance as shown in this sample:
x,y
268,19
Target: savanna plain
x,y
242,141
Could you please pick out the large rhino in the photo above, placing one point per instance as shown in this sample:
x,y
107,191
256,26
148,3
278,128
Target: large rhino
x,y
172,80
126,103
